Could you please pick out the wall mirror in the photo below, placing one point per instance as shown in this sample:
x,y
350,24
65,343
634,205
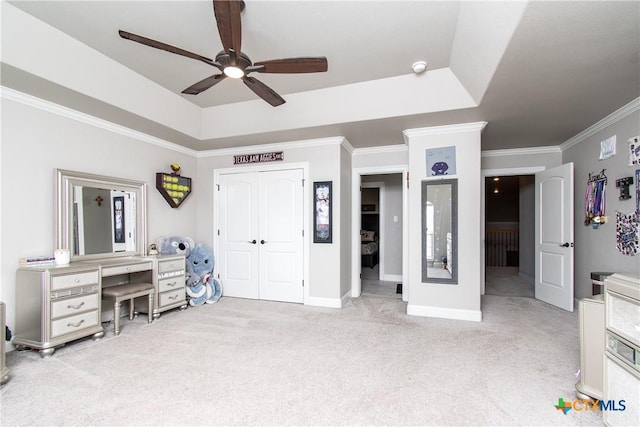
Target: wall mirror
x,y
440,231
100,216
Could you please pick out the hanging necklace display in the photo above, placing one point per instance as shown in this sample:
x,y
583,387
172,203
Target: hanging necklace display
x,y
595,200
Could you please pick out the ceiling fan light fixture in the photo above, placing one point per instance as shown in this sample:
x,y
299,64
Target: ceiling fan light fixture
x,y
419,67
233,72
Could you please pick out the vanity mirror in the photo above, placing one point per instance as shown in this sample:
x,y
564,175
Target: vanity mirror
x,y
100,216
440,231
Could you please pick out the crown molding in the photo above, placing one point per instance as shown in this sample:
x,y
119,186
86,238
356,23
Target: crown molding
x,y
248,149
617,115
69,113
439,130
521,151
384,149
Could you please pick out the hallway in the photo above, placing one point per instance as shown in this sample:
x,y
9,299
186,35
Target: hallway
x,y
505,281
373,287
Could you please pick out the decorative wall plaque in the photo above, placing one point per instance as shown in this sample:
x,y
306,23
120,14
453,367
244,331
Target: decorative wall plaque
x,y
258,158
174,188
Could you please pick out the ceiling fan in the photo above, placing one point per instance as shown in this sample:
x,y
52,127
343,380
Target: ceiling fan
x,y
231,61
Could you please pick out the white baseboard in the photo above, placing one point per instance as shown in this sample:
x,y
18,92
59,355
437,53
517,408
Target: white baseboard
x,y
323,302
391,278
444,313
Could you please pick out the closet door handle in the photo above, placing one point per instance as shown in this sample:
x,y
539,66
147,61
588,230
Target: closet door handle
x,y
262,242
253,242
567,244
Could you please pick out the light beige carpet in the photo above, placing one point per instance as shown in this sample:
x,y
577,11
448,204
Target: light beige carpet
x,y
244,362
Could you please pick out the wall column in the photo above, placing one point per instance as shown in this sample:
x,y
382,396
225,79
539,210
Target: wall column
x,y
461,301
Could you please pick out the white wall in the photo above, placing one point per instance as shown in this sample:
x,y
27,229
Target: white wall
x,y
461,301
35,141
345,222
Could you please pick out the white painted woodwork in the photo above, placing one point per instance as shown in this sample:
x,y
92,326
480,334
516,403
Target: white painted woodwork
x,y
554,228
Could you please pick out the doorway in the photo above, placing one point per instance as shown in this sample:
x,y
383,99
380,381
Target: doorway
x,y
509,235
379,256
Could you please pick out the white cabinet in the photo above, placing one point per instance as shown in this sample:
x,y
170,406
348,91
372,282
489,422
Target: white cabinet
x,y
57,305
591,314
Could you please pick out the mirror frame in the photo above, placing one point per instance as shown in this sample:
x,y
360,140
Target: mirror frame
x,y
66,180
454,231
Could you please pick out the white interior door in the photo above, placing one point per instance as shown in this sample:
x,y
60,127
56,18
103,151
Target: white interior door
x,y
261,235
238,239
281,238
554,236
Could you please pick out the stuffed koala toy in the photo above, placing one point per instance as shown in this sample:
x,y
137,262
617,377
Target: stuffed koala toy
x,y
175,245
201,285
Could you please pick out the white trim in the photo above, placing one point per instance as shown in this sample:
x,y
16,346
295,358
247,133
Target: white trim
x,y
444,313
305,210
69,113
391,277
307,143
384,149
521,151
323,302
619,114
527,170
439,130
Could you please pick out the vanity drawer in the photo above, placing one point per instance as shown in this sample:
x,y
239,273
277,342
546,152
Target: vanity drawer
x,y
74,323
124,269
172,297
171,283
170,265
73,280
74,305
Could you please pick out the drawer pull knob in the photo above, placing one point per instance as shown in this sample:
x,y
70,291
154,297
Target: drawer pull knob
x,y
77,280
75,325
172,284
128,268
76,307
173,297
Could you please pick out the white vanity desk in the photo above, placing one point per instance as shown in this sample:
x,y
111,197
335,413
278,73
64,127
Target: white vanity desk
x,y
59,304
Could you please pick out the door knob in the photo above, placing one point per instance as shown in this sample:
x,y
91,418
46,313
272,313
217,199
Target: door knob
x,y
262,242
253,242
566,245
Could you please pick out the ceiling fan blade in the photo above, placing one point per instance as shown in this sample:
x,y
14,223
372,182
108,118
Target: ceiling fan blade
x,y
205,84
263,91
227,13
294,65
163,46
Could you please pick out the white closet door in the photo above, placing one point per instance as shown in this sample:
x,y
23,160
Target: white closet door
x,y
261,235
238,221
281,235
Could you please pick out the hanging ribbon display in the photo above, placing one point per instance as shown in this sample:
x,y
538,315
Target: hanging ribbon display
x,y
595,200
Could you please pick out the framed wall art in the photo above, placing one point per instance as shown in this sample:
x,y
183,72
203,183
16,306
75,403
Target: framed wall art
x,y
118,220
322,230
441,161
